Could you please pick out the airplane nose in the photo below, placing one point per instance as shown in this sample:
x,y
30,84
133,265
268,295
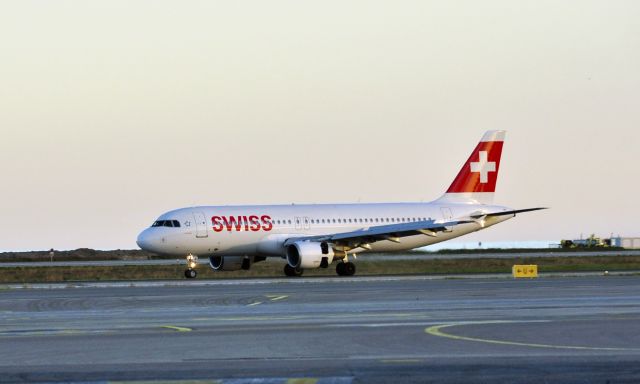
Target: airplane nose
x,y
143,240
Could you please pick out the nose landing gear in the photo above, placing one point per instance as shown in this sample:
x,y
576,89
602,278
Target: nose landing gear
x,y
192,263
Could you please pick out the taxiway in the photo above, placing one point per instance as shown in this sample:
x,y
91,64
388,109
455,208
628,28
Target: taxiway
x,y
340,330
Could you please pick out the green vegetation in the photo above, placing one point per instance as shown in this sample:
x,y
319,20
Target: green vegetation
x,y
85,254
364,267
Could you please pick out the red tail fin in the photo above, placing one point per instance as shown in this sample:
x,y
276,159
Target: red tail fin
x,y
477,179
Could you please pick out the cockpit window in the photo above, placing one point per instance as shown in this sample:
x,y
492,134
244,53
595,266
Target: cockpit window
x,y
166,223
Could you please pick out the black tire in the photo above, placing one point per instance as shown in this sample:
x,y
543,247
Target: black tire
x,y
349,269
340,270
292,272
190,273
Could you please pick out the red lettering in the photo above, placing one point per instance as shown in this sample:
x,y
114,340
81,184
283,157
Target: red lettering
x,y
255,223
239,223
232,222
266,222
217,225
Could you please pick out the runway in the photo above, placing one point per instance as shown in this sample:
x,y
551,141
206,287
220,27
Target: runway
x,y
327,330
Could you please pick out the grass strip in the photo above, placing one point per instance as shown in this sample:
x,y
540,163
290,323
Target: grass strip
x,y
364,267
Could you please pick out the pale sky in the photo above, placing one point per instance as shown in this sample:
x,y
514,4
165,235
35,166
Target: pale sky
x,y
112,112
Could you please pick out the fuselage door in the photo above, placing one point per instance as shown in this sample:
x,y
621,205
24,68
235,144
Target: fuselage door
x,y
298,222
201,224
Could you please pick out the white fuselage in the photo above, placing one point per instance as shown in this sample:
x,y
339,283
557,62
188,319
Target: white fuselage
x,y
260,230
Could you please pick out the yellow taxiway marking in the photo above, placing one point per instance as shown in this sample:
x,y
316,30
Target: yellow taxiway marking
x,y
436,331
302,380
256,303
179,329
276,298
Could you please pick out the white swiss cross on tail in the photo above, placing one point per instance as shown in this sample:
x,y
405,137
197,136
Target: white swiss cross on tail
x,y
483,166
476,181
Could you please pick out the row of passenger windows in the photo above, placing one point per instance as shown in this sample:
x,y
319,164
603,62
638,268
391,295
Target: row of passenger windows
x,y
355,221
166,223
176,223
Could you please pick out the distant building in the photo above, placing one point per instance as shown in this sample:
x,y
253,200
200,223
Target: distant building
x,y
626,242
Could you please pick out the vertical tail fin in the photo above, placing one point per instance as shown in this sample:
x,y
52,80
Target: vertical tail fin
x,y
476,181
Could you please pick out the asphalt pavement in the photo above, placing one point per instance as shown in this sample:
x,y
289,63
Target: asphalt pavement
x,y
325,330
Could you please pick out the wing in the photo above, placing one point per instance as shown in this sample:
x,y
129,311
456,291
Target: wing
x,y
394,232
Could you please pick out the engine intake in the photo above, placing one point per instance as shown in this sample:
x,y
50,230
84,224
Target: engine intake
x,y
309,254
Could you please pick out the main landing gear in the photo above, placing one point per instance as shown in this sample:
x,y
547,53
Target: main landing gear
x,y
345,268
192,263
292,272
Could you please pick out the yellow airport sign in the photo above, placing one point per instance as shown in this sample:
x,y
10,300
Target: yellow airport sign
x,y
529,271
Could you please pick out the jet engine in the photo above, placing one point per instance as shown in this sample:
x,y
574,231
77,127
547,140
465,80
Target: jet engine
x,y
309,254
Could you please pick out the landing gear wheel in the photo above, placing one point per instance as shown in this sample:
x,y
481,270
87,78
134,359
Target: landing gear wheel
x,y
345,269
190,273
292,272
349,269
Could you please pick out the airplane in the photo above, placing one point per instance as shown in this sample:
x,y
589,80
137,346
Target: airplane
x,y
316,235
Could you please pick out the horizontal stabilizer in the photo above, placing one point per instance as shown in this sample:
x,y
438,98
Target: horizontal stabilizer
x,y
503,213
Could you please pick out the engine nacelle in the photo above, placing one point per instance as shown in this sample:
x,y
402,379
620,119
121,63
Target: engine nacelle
x,y
309,254
229,263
